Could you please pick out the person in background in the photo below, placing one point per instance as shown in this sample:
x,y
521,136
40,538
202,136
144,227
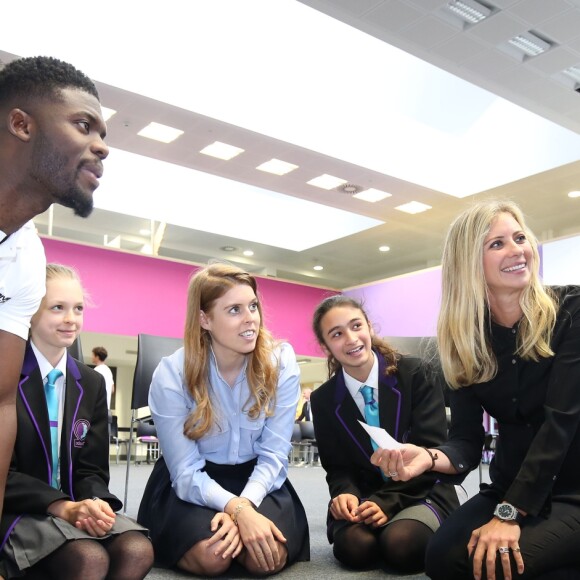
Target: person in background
x,y
224,408
59,519
510,346
374,520
51,151
100,355
306,413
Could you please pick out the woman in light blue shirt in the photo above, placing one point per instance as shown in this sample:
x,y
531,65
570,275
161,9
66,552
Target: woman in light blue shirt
x,y
224,407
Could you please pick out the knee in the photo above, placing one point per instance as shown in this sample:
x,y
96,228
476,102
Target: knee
x,y
203,562
91,559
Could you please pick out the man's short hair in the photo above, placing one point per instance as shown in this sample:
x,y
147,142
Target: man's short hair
x,y
41,77
101,353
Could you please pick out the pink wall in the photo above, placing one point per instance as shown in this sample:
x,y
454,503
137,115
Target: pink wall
x,y
135,294
403,306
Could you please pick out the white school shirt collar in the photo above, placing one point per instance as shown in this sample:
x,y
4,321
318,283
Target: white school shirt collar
x,y
353,385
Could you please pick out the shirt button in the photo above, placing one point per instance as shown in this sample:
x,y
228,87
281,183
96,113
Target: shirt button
x,y
513,330
428,501
554,478
514,361
460,465
514,399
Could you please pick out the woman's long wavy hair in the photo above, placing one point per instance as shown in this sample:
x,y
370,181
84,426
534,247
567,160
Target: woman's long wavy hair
x,y
463,328
390,355
205,287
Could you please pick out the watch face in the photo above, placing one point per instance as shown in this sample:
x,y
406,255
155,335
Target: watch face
x,y
505,511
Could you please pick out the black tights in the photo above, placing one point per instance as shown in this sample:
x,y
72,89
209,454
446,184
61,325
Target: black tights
x,y
128,556
401,545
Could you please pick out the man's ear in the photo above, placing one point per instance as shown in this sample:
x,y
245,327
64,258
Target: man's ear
x,y
203,320
20,124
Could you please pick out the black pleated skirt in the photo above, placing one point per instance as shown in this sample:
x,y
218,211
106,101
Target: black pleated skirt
x,y
176,525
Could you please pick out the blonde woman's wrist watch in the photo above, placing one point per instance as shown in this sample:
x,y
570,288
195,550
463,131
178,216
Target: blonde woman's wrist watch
x,y
506,512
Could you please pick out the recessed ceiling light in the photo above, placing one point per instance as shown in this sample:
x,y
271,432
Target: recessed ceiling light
x,y
326,181
145,232
107,113
384,248
413,207
277,167
221,150
574,194
318,268
248,253
469,11
160,132
372,195
530,44
228,248
573,72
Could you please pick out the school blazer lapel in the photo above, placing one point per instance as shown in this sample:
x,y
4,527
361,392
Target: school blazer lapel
x,y
390,400
348,416
74,429
32,395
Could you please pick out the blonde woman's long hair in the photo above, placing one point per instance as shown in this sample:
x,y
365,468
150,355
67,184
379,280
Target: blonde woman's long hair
x,y
463,333
205,287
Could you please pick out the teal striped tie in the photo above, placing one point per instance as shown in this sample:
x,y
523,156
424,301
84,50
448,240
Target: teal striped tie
x,y
371,409
52,405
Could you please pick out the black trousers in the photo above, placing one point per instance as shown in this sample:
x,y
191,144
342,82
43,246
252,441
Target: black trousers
x,y
550,547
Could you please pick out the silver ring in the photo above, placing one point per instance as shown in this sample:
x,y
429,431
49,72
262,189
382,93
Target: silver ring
x,y
393,473
503,550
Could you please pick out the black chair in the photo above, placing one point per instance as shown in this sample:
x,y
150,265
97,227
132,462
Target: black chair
x,y
150,350
76,349
147,435
309,439
298,454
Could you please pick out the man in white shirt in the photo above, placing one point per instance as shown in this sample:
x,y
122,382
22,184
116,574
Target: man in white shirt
x,y
51,151
100,355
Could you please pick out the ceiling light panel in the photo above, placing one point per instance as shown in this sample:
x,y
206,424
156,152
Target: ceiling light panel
x,y
573,72
131,185
372,195
327,181
413,207
469,11
221,150
530,44
107,113
277,167
160,132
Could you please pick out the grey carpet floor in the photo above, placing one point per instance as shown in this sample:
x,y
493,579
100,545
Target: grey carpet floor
x,y
311,486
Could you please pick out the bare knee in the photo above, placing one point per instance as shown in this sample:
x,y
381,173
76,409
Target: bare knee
x,y
203,562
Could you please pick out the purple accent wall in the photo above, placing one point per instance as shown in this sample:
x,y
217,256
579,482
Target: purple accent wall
x,y
135,294
403,306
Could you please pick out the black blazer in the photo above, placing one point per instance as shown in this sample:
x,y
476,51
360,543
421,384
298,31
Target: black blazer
x,y
411,409
84,450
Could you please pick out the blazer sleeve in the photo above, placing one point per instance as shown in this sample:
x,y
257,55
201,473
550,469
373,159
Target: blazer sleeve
x,y
341,473
427,427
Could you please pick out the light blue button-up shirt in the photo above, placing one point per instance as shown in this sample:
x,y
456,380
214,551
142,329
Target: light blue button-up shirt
x,y
234,438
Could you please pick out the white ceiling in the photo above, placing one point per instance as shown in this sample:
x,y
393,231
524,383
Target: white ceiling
x,y
419,27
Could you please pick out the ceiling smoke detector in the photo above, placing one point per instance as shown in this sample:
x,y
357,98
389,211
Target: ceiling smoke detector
x,y
349,188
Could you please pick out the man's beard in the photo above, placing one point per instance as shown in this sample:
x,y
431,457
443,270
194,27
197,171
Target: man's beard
x,y
49,168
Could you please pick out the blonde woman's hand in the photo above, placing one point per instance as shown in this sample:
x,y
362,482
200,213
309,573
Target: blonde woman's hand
x,y
402,464
485,544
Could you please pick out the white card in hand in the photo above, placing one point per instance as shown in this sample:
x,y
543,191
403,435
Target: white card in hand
x,y
381,437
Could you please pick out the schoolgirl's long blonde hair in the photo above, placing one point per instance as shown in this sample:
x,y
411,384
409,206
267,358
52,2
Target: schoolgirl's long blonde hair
x,y
205,287
463,333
